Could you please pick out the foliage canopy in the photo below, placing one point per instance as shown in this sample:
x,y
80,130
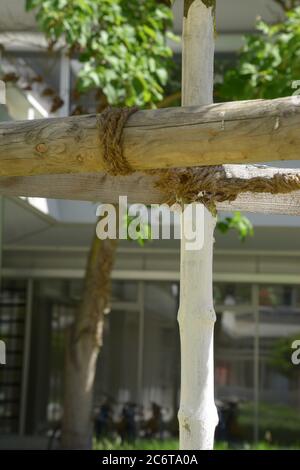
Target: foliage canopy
x,y
121,44
269,64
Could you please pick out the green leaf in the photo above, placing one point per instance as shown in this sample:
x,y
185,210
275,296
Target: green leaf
x,y
162,75
30,4
238,222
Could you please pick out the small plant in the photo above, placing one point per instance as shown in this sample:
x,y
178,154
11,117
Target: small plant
x,y
142,229
237,222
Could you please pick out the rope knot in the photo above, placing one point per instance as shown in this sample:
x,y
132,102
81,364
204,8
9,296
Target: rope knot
x,y
111,122
207,185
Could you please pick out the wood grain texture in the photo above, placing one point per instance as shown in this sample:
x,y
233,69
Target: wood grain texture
x,y
237,132
140,188
84,187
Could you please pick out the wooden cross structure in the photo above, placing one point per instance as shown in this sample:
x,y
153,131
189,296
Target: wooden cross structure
x,y
63,158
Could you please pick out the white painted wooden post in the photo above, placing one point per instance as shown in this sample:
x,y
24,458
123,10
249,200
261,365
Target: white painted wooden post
x,y
197,414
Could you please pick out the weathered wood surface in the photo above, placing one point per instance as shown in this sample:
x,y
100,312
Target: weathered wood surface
x,y
237,132
141,188
197,413
84,187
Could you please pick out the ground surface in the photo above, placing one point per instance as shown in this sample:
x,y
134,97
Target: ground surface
x,y
172,444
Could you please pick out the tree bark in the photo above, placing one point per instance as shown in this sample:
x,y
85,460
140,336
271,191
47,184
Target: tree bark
x,y
197,414
83,346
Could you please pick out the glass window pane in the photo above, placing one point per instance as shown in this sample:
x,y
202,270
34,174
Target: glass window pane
x,y
234,365
12,330
276,296
232,294
279,326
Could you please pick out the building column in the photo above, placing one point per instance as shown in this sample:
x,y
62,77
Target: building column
x,y
141,342
26,357
255,306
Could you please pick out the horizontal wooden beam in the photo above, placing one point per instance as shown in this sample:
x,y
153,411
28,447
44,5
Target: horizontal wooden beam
x,y
237,132
140,188
83,187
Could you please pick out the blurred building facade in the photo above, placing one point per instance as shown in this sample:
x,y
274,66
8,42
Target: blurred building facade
x,y
44,250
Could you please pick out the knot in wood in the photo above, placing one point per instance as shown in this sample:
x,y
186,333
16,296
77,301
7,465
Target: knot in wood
x,y
41,148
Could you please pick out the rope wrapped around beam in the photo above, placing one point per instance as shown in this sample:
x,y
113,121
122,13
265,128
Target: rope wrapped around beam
x,y
208,185
112,122
211,184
